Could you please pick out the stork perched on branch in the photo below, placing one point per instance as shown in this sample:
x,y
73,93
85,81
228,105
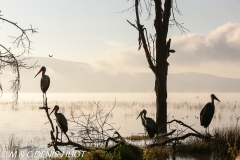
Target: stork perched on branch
x,y
44,82
61,121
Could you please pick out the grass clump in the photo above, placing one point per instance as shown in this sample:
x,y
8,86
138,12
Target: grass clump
x,y
122,152
137,137
194,146
224,144
154,153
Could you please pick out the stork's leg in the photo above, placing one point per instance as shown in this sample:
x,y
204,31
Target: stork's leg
x,y
145,136
43,99
67,137
61,135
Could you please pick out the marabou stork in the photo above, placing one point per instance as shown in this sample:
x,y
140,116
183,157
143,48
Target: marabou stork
x,y
149,124
207,112
61,121
45,81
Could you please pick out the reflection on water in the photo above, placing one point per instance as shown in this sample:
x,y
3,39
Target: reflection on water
x,y
30,124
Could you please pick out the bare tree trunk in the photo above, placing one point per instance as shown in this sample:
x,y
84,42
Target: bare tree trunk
x,y
161,26
161,102
158,61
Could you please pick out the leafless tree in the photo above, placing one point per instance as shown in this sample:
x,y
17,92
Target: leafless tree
x,y
160,51
15,59
92,130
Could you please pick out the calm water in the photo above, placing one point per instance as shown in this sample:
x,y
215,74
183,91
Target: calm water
x,y
30,125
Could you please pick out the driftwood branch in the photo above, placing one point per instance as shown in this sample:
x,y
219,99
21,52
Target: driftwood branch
x,y
45,107
115,146
183,124
118,142
167,134
196,134
177,138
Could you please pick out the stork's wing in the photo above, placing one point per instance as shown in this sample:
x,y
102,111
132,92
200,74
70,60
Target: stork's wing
x,y
202,111
48,81
207,114
150,123
45,83
62,122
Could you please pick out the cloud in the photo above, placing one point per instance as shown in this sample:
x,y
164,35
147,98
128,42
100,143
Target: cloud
x,y
220,45
214,53
112,43
122,61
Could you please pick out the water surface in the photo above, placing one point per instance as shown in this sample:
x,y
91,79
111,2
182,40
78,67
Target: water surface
x,y
30,125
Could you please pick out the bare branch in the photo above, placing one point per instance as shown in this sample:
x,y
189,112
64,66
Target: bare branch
x,y
176,139
16,61
142,38
45,107
132,24
181,28
181,123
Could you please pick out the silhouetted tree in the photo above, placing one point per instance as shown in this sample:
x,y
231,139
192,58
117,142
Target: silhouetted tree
x,y
157,56
15,60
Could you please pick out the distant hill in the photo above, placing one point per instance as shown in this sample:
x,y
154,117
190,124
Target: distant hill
x,y
198,82
67,76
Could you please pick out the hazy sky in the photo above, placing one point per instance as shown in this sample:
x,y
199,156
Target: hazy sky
x,y
96,32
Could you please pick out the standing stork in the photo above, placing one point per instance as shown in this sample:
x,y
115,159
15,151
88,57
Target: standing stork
x,y
61,121
149,124
207,112
44,82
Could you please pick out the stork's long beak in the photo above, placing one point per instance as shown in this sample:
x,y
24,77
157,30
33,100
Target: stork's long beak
x,y
139,115
38,72
53,110
217,99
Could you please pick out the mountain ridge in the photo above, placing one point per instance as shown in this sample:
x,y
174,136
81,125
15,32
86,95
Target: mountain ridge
x,y
70,76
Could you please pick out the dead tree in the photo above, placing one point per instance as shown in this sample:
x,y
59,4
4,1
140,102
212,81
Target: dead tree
x,y
157,56
16,60
92,130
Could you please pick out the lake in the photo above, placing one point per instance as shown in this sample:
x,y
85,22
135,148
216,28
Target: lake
x,y
29,125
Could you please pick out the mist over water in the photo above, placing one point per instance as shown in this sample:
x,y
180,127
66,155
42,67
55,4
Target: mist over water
x,y
30,125
140,97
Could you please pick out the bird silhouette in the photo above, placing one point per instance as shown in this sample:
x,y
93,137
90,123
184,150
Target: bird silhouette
x,y
61,121
207,112
149,124
44,82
